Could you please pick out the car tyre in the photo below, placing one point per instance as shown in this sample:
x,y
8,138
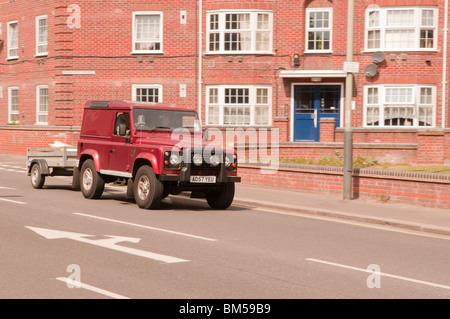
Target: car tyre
x,y
222,198
91,183
148,190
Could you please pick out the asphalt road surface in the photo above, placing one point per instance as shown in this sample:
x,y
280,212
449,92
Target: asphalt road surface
x,y
55,244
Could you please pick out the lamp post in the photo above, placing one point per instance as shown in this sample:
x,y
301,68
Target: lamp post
x,y
348,134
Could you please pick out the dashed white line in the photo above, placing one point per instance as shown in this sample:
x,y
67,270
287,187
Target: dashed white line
x,y
12,201
381,274
92,288
148,227
13,170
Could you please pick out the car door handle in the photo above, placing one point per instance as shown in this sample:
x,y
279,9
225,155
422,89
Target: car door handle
x,y
111,150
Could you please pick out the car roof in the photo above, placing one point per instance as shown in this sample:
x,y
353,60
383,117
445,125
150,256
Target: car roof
x,y
121,104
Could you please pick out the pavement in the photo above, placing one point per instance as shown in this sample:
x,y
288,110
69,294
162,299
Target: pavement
x,y
402,216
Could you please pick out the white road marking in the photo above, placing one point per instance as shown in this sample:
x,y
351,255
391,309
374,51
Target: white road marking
x,y
13,170
110,243
345,221
381,274
147,227
92,288
12,201
12,166
3,187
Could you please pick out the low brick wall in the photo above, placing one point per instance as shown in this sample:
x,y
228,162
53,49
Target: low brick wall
x,y
15,139
416,188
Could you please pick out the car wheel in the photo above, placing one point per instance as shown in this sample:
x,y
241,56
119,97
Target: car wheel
x,y
91,183
148,190
37,179
222,198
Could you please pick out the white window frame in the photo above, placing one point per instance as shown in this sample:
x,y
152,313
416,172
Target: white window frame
x,y
253,30
10,111
252,105
38,42
10,47
417,27
38,104
135,87
134,31
328,29
415,103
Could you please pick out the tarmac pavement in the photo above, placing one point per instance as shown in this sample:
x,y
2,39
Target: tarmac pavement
x,y
410,217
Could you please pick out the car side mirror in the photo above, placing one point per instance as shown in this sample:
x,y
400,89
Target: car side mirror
x,y
206,134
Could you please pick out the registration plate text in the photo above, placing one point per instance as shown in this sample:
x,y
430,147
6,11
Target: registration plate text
x,y
203,179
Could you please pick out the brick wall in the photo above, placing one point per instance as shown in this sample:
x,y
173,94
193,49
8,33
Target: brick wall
x,y
15,139
103,43
423,189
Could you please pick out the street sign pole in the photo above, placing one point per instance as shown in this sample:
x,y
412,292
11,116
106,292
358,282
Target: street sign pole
x,y
348,134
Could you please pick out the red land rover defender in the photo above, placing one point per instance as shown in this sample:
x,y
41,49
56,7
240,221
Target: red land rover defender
x,y
154,149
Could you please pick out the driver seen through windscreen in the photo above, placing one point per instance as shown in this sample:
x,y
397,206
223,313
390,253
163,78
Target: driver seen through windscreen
x,y
165,120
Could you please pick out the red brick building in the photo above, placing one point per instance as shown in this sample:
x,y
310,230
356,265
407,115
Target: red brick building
x,y
242,64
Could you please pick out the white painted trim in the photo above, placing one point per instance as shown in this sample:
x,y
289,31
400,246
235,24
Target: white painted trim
x,y
313,73
329,29
134,87
133,35
38,18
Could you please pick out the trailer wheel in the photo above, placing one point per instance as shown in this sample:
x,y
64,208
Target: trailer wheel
x,y
37,179
148,190
91,183
221,199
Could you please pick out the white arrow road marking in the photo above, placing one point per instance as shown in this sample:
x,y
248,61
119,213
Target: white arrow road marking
x,y
92,288
381,274
110,243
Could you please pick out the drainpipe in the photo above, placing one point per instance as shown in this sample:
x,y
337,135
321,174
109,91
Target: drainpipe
x,y
444,66
200,55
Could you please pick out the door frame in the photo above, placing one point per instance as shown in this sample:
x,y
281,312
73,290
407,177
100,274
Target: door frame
x,y
342,101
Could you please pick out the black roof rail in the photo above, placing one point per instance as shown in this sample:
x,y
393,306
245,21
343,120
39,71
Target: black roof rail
x,y
99,104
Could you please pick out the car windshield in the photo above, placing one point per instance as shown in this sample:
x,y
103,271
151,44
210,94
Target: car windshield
x,y
165,120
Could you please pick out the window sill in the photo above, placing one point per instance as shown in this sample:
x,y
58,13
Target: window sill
x,y
11,58
318,52
235,53
146,52
401,50
224,126
41,55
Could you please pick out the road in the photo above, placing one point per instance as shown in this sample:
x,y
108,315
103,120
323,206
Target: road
x,y
55,244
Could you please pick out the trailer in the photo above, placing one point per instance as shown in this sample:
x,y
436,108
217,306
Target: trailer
x,y
52,161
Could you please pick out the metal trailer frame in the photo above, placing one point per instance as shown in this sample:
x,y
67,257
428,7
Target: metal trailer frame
x,y
53,161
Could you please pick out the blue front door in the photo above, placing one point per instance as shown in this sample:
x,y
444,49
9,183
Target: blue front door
x,y
311,103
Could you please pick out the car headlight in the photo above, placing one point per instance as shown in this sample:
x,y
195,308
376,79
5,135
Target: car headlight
x,y
214,160
197,159
174,160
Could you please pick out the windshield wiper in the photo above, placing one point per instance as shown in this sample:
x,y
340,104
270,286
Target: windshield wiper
x,y
160,128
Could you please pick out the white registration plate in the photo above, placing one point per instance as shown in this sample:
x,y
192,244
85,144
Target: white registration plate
x,y
203,179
